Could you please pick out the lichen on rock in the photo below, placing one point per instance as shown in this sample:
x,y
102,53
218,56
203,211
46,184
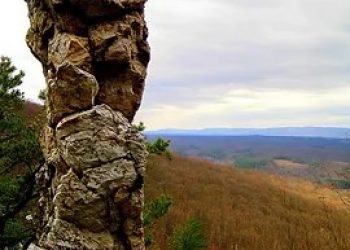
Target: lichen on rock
x,y
94,55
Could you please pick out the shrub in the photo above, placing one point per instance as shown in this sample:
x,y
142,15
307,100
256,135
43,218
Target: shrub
x,y
152,212
140,127
159,147
190,237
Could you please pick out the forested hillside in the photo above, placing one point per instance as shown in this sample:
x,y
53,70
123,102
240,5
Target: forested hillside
x,y
247,209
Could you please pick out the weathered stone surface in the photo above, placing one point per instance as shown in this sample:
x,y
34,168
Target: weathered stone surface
x,y
122,58
40,30
72,90
107,38
94,55
66,19
103,8
95,137
126,95
64,235
100,193
70,48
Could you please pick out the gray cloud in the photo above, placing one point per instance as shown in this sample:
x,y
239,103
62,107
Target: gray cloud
x,y
204,50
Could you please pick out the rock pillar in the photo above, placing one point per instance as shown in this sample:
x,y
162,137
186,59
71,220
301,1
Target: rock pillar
x,y
94,55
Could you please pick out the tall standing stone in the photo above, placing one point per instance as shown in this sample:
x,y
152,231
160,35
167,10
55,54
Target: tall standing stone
x,y
94,55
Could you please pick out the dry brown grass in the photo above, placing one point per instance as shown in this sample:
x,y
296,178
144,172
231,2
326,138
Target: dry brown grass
x,y
246,209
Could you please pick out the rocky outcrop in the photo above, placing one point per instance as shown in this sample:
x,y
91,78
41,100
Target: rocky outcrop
x,y
94,55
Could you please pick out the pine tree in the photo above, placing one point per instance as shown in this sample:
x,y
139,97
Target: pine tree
x,y
190,237
20,156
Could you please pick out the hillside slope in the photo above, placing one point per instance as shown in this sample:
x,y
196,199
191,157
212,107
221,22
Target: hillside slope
x,y
246,209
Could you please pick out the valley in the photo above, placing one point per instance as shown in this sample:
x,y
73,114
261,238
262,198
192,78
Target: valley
x,y
321,160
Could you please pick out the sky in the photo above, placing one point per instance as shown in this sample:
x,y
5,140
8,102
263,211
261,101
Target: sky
x,y
229,63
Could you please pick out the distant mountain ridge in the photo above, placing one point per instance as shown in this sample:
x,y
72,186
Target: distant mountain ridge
x,y
324,132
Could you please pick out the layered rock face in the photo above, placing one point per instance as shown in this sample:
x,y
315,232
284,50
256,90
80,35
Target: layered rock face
x,y
94,55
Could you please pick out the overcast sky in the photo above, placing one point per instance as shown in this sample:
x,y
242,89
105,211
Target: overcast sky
x,y
229,63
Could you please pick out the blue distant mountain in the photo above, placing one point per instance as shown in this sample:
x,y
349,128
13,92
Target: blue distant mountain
x,y
324,132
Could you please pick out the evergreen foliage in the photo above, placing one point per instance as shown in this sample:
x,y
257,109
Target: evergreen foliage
x,y
190,237
140,127
20,156
11,98
159,147
152,212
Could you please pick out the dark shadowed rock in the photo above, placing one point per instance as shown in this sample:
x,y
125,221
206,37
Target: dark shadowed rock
x,y
106,8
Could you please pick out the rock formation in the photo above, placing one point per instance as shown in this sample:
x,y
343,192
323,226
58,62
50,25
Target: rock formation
x,y
94,55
